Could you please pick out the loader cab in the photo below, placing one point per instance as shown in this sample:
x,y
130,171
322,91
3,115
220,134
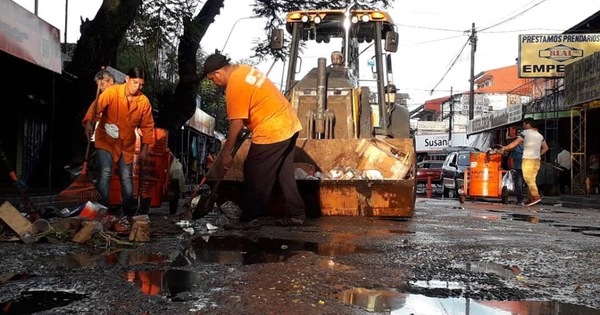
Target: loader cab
x,y
355,98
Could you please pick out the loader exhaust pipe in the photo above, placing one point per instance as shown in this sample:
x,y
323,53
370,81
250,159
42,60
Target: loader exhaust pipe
x,y
321,98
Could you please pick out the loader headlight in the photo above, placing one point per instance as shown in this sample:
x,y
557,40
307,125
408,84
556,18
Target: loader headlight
x,y
304,18
317,19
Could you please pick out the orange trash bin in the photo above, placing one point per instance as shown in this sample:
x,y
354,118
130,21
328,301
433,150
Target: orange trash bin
x,y
485,175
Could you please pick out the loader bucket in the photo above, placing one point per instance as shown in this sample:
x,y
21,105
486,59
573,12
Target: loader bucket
x,y
387,197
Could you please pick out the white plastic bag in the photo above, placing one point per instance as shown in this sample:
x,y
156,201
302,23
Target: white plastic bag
x,y
508,182
176,170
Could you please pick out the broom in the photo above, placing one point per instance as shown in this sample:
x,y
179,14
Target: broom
x,y
82,189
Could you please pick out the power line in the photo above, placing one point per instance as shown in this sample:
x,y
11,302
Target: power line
x,y
451,65
511,17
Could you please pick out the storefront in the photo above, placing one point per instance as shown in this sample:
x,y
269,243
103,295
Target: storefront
x,y
582,96
29,133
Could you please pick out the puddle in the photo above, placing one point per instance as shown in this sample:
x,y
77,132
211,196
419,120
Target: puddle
x,y
37,301
162,282
489,267
437,284
585,230
4,278
525,217
90,260
399,303
235,250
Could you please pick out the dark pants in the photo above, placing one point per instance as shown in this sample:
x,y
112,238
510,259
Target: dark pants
x,y
265,164
564,180
518,182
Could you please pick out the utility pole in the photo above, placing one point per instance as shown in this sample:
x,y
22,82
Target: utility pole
x,y
473,41
66,19
450,117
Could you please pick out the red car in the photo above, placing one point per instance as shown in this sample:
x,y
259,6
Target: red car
x,y
432,168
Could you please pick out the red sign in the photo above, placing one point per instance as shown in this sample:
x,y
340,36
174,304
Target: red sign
x,y
26,36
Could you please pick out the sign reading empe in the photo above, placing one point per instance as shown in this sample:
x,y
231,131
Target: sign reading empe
x,y
546,56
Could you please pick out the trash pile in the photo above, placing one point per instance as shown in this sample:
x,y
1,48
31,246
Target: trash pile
x,y
88,223
225,216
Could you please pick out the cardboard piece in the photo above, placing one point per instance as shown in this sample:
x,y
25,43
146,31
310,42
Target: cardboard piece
x,y
140,231
14,219
85,233
377,154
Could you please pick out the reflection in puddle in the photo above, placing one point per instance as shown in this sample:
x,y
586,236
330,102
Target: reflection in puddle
x,y
30,302
4,278
398,303
586,230
436,284
525,217
90,260
489,267
240,250
160,282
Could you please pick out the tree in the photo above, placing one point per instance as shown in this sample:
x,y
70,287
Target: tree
x,y
118,24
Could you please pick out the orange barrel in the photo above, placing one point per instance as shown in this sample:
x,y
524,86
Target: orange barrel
x,y
485,172
155,172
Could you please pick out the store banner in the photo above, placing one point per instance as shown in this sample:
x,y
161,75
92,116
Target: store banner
x,y
495,119
546,56
582,81
202,122
438,142
26,36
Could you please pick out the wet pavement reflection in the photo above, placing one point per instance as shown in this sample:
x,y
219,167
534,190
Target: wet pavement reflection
x,y
489,267
90,260
162,282
400,303
30,302
236,250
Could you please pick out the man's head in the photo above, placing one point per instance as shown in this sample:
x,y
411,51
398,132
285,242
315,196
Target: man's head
x,y
337,59
214,69
528,123
134,80
104,79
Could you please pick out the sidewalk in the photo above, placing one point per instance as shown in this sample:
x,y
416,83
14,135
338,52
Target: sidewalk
x,y
573,201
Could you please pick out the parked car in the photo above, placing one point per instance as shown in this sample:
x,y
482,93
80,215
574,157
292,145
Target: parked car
x,y
453,170
429,169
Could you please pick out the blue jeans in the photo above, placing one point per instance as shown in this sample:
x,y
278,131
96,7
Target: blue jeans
x,y
104,161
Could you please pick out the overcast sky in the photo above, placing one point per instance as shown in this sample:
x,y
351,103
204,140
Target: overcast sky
x,y
432,34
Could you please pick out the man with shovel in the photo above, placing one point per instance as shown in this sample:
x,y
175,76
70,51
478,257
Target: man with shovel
x,y
253,101
121,109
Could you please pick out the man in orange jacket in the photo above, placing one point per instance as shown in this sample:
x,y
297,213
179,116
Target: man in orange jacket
x,y
253,101
121,109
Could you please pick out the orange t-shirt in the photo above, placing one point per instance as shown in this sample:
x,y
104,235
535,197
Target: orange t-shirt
x,y
113,108
251,96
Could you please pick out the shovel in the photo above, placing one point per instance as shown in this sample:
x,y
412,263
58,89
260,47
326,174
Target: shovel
x,y
202,201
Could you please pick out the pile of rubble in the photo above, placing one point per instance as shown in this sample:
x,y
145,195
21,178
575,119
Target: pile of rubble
x,y
87,223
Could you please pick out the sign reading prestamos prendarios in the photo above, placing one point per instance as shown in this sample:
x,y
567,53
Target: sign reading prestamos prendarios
x,y
546,55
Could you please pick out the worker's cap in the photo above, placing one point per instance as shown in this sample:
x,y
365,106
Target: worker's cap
x,y
337,53
214,62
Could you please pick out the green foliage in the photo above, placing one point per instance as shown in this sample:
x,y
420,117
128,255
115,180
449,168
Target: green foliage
x,y
213,103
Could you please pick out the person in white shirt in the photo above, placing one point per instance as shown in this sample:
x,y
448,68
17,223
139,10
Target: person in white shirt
x,y
534,146
563,159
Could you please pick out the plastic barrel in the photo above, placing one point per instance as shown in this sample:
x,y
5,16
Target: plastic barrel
x,y
485,172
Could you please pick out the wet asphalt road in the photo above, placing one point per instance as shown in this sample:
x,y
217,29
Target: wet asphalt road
x,y
475,258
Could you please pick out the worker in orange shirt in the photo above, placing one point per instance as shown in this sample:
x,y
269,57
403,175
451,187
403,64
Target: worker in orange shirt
x,y
121,109
254,102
